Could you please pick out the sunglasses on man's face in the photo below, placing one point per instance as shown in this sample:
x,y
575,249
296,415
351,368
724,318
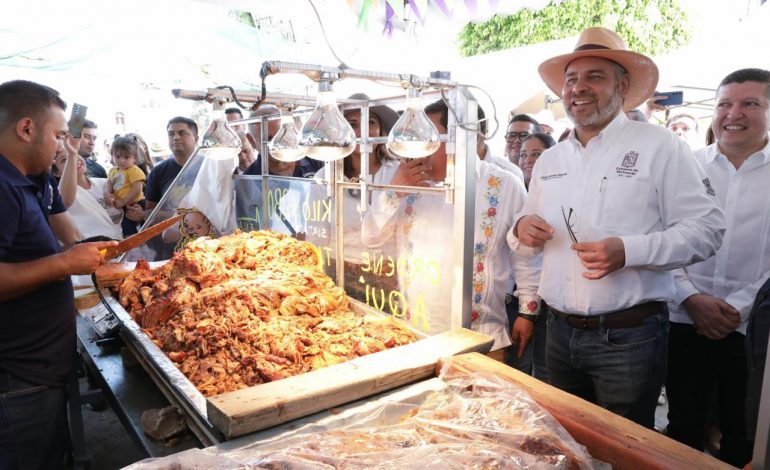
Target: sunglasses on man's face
x,y
512,136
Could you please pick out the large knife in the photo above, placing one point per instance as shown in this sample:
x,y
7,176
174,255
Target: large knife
x,y
139,239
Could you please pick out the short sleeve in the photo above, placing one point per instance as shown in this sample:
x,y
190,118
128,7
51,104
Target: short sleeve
x,y
134,174
57,205
9,218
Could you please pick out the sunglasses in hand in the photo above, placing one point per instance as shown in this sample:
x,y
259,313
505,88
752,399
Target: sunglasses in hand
x,y
569,222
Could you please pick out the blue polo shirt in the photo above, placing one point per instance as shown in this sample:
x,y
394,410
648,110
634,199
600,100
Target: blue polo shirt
x,y
305,168
37,330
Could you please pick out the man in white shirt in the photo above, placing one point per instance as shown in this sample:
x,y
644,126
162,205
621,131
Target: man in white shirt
x,y
484,153
613,208
421,225
713,298
519,128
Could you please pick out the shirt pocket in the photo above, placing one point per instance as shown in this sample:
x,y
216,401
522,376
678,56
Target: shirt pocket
x,y
626,206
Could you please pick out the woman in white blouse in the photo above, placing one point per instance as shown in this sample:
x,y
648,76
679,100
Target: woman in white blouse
x,y
84,199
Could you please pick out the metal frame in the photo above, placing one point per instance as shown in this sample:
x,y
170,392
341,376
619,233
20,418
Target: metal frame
x,y
762,436
459,185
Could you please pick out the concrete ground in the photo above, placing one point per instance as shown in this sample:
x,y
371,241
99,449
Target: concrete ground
x,y
109,445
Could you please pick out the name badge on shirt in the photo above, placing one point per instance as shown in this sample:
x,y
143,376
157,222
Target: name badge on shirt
x,y
554,176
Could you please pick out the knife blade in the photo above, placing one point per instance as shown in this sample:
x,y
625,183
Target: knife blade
x,y
139,239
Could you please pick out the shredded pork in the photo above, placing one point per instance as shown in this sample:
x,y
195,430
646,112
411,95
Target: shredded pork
x,y
250,308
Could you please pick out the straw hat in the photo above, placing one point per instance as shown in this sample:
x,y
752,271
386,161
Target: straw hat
x,y
601,42
385,114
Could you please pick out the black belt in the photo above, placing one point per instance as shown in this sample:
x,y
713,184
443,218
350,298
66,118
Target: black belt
x,y
626,318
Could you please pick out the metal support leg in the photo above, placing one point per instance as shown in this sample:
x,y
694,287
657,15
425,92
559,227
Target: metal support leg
x,y
79,453
762,438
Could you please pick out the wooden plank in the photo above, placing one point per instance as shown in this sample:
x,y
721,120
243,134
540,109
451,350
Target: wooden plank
x,y
85,297
608,437
266,405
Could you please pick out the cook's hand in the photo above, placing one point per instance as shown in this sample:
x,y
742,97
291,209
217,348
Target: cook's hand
x,y
521,334
414,172
533,231
713,318
602,257
84,258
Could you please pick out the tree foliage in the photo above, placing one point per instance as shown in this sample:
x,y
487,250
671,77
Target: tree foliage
x,y
650,27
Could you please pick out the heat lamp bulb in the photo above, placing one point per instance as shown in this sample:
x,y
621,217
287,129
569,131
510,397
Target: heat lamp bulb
x,y
413,135
327,135
285,144
220,141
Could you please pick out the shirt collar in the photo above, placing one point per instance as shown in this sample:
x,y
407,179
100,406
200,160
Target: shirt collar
x,y
12,174
610,130
764,153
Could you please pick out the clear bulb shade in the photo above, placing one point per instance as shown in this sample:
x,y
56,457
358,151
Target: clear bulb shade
x,y
413,135
285,144
220,141
327,135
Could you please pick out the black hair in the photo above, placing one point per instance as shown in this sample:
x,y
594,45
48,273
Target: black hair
x,y
22,98
682,116
234,110
88,124
143,159
546,139
439,107
748,75
126,143
184,120
483,125
526,118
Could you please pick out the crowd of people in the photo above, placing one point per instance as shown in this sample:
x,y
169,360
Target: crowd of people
x,y
622,259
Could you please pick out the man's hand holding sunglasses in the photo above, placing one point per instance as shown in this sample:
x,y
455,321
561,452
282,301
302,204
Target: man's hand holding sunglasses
x,y
533,231
602,257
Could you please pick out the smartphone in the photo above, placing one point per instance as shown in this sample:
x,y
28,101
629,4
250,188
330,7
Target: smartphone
x,y
77,119
673,98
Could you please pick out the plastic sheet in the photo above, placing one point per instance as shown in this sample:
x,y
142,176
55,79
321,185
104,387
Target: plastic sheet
x,y
476,421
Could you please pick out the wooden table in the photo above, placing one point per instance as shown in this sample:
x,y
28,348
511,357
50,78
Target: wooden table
x,y
608,437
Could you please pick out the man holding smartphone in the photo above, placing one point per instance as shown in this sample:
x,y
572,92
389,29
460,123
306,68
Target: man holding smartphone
x,y
37,336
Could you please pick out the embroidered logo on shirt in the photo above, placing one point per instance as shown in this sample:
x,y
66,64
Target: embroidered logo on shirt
x,y
709,189
629,161
626,167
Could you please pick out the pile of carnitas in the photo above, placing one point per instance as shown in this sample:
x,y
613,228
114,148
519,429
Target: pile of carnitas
x,y
250,308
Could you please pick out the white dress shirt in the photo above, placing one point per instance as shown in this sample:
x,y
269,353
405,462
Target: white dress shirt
x,y
505,164
635,181
740,267
422,226
353,248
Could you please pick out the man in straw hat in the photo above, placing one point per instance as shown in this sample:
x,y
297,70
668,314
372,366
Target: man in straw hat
x,y
613,208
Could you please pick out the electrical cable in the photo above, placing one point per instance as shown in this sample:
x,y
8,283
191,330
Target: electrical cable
x,y
342,65
464,125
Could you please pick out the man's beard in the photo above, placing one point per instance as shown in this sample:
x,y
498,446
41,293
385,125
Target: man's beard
x,y
601,116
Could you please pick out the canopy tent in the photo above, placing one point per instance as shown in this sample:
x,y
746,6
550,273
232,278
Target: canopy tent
x,y
127,56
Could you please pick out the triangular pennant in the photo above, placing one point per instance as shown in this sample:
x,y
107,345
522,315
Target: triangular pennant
x,y
419,7
444,7
397,6
363,17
